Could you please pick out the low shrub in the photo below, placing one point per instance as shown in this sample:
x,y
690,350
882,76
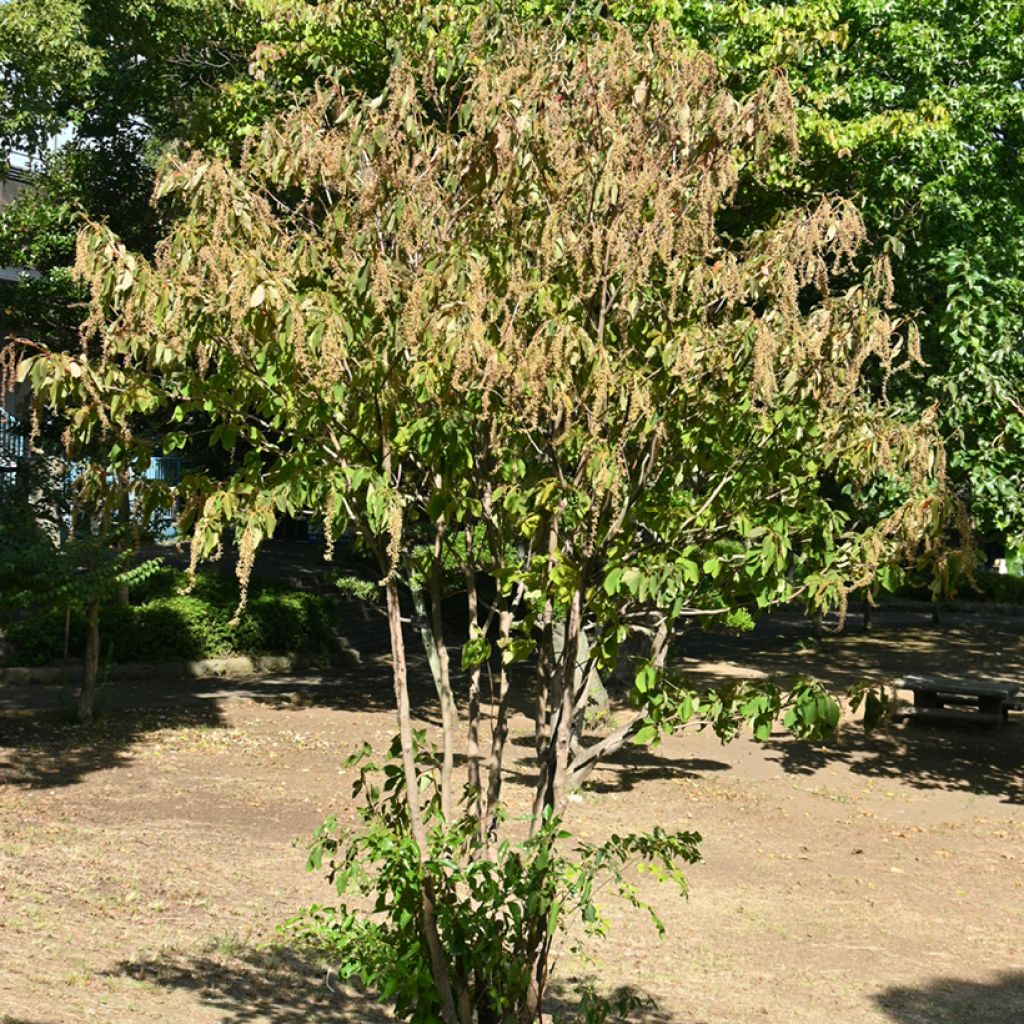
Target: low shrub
x,y
180,626
163,624
992,586
984,587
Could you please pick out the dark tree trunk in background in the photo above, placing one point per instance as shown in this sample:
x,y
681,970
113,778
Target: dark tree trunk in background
x,y
91,668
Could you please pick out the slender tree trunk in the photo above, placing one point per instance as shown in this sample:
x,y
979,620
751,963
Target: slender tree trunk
x,y
660,642
597,692
545,674
543,712
587,684
419,607
91,668
500,734
438,960
585,760
125,522
564,729
449,712
473,755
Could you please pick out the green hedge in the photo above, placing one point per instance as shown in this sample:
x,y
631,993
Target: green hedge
x,y
991,586
987,588
162,624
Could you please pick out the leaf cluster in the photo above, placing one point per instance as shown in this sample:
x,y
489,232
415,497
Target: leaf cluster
x,y
493,908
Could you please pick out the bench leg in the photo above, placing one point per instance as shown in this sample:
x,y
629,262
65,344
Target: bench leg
x,y
993,706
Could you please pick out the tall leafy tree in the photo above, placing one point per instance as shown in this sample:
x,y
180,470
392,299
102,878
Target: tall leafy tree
x,y
494,309
914,110
91,92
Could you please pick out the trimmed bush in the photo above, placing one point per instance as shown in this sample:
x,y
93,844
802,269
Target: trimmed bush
x,y
164,625
1007,589
986,588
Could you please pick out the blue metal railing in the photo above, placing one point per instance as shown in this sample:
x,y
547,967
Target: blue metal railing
x,y
12,449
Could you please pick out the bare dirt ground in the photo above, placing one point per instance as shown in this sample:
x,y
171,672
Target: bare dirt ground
x,y
146,864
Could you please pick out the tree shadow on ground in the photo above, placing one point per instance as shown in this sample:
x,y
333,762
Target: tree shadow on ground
x,y
279,985
47,750
41,746
974,647
633,766
956,1001
562,1002
626,769
956,757
368,687
276,985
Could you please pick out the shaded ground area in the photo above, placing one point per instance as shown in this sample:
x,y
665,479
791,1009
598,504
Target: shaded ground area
x,y
901,641
924,757
146,863
242,983
998,999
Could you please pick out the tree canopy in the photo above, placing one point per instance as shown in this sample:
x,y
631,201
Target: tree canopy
x,y
911,110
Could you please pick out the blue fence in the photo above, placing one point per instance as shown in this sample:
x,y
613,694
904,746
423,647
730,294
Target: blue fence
x,y
12,449
166,470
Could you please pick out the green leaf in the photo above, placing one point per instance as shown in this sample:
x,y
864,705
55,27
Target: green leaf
x,y
611,581
646,735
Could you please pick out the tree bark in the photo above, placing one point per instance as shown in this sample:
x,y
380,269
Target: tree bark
x,y
473,755
588,758
427,609
438,960
590,691
449,712
545,675
91,668
500,734
419,607
545,678
564,730
124,521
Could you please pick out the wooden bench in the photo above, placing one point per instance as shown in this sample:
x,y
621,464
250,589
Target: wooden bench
x,y
977,701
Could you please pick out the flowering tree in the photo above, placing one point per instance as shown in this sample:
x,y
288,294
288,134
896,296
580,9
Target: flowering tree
x,y
490,318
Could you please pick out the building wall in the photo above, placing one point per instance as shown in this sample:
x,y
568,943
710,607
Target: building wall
x,y
12,184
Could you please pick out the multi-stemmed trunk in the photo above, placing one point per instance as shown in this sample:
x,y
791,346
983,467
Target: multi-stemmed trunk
x,y
563,675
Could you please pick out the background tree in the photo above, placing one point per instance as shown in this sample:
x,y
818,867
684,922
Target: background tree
x,y
41,567
914,111
498,305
